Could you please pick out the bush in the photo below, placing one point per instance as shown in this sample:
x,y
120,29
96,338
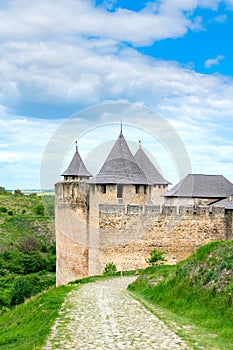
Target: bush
x,y
28,244
3,190
51,263
39,209
3,209
18,192
21,289
10,212
156,256
33,262
110,268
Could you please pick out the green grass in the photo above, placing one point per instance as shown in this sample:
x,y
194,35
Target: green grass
x,y
23,220
27,326
27,244
199,290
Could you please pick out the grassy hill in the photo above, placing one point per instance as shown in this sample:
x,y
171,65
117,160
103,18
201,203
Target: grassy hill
x,y
199,290
27,245
27,326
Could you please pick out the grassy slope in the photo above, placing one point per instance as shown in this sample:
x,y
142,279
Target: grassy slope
x,y
25,236
198,290
23,221
28,325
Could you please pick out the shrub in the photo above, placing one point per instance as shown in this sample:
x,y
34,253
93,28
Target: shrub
x,y
39,209
33,262
3,190
10,212
3,209
110,268
156,256
28,244
51,263
5,298
21,289
18,192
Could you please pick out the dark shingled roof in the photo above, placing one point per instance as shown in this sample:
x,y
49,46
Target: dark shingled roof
x,y
224,203
202,186
120,167
152,174
76,167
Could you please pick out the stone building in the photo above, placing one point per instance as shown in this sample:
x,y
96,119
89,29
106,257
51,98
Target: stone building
x,y
199,189
126,210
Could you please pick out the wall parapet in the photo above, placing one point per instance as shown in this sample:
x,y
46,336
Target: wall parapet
x,y
156,210
134,209
112,208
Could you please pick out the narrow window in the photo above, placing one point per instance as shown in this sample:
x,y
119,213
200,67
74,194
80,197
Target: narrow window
x,y
137,187
145,189
103,188
119,191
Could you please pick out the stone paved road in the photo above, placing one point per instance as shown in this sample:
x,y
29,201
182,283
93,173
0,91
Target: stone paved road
x,y
103,316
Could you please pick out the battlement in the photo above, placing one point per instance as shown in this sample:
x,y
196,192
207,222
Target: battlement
x,y
155,210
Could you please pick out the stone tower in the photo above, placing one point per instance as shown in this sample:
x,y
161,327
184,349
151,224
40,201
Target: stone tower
x,y
71,221
124,183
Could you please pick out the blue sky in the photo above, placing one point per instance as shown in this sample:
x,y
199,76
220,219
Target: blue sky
x,y
59,58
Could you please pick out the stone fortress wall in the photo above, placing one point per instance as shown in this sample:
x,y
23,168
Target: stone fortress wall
x,y
91,233
128,234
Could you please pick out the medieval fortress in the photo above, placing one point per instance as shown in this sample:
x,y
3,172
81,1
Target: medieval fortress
x,y
126,210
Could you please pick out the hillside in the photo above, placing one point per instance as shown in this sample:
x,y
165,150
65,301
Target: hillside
x,y
27,245
200,289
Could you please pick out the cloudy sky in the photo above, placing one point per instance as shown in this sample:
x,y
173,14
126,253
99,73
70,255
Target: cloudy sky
x,y
58,58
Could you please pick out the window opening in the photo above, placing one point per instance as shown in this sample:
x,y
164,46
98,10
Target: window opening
x,y
119,191
103,188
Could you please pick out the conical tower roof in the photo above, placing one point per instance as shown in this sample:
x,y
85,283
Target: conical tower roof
x,y
120,167
152,174
76,167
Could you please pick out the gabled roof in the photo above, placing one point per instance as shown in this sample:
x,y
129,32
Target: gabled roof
x,y
120,167
202,186
152,174
76,167
224,203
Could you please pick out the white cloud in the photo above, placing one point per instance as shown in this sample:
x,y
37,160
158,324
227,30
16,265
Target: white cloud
x,y
24,19
214,61
79,56
21,148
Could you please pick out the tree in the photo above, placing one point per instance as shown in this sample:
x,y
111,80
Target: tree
x,y
156,256
21,289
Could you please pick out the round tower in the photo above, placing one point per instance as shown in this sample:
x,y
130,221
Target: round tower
x,y
71,221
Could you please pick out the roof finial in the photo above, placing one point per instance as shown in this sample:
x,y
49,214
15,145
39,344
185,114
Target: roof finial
x,y
121,126
76,142
140,146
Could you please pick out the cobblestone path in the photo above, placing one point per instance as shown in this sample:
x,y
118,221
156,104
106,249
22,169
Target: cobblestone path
x,y
103,316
